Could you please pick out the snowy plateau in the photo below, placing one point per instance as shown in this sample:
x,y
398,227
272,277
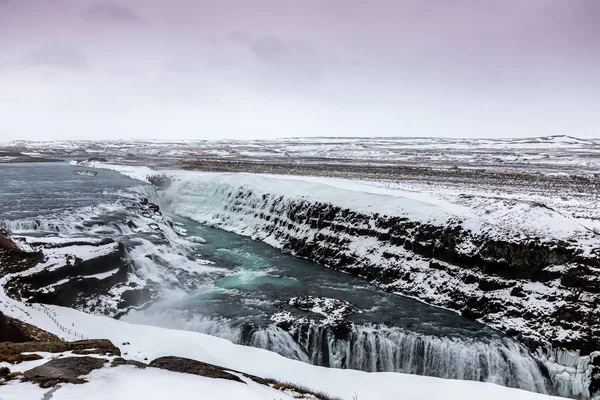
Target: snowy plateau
x,y
505,233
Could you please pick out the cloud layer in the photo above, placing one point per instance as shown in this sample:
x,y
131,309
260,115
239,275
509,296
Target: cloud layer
x,y
271,68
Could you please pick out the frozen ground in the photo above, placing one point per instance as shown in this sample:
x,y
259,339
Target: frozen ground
x,y
487,175
143,343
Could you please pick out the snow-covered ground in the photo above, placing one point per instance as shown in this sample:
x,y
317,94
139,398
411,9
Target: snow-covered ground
x,y
145,343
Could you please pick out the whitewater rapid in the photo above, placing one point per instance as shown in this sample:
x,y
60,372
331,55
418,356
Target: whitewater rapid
x,y
374,349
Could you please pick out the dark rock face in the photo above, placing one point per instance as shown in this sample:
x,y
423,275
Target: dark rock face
x,y
13,330
161,181
76,275
13,258
67,369
330,308
316,322
121,361
94,346
478,276
304,314
79,272
189,366
134,297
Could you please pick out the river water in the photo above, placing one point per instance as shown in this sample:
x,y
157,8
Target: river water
x,y
232,285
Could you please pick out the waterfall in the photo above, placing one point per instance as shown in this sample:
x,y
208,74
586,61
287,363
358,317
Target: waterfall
x,y
374,348
384,349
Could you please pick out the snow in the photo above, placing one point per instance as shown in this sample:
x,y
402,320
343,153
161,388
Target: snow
x,y
103,275
56,257
546,153
15,390
499,217
236,202
146,342
127,382
340,192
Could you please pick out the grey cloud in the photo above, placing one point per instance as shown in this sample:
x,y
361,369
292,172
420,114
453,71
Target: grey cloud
x,y
57,56
239,37
110,12
268,48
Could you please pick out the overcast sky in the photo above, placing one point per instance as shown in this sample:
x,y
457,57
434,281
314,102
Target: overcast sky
x,y
199,69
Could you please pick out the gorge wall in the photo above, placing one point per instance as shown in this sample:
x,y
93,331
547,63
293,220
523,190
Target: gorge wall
x,y
544,290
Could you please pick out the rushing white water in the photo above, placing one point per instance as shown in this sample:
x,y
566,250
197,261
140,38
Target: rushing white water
x,y
375,348
270,338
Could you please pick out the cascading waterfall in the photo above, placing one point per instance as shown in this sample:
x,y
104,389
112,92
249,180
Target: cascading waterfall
x,y
383,349
269,338
374,348
104,217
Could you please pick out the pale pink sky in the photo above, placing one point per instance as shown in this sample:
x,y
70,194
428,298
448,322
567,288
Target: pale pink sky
x,y
274,68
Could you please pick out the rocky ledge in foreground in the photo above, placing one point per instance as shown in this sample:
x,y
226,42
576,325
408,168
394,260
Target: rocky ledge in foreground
x,y
72,362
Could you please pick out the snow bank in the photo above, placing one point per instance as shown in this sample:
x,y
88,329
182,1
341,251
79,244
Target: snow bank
x,y
147,342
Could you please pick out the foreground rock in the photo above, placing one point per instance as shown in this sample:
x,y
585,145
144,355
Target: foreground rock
x,y
67,370
13,330
15,353
63,367
188,366
121,361
194,367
